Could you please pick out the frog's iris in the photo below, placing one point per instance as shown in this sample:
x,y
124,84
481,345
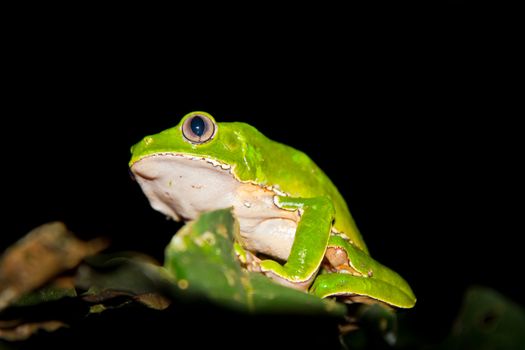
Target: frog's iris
x,y
198,128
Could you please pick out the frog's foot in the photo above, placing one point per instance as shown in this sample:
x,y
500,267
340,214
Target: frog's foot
x,y
270,268
247,259
252,263
281,275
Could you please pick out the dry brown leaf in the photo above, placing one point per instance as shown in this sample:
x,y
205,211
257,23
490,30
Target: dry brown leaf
x,y
42,254
153,300
25,330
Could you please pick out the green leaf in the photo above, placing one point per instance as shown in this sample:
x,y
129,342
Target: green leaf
x,y
202,259
44,295
123,277
487,320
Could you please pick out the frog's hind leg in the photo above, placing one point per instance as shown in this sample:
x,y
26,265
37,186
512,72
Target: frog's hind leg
x,y
359,278
310,242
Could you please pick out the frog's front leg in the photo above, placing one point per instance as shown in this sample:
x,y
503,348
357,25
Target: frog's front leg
x,y
310,242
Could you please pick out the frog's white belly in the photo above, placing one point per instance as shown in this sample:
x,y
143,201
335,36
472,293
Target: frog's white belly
x,y
182,187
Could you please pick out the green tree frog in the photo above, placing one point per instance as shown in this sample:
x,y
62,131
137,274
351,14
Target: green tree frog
x,y
295,226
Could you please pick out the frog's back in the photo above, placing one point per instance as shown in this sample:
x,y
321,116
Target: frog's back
x,y
294,173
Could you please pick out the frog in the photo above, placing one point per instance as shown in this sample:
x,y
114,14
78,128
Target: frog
x,y
294,225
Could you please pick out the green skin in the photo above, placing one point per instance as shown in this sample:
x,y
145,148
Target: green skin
x,y
325,220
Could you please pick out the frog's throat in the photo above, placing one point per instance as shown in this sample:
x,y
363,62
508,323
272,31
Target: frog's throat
x,y
182,187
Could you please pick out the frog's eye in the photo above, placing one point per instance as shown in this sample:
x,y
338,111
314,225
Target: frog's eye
x,y
198,129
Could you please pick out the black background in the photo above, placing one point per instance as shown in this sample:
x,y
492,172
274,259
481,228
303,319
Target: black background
x,y
411,117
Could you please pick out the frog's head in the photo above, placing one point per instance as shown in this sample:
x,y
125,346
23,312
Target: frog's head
x,y
196,134
185,169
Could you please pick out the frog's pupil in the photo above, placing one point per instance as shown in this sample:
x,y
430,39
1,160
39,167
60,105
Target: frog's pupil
x,y
198,126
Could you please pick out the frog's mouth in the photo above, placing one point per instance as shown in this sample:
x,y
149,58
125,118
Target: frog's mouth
x,y
181,186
